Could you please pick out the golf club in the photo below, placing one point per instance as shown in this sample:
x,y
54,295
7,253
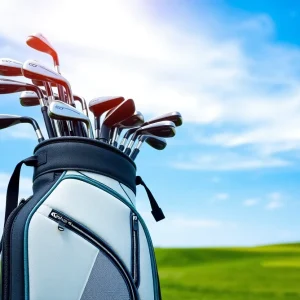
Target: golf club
x,y
76,97
164,129
11,120
39,42
98,106
62,111
126,136
137,119
8,86
29,98
174,117
10,67
121,112
155,142
34,70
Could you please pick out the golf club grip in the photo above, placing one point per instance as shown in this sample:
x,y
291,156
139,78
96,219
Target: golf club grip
x,y
134,153
127,151
53,127
47,121
104,133
83,129
75,128
121,147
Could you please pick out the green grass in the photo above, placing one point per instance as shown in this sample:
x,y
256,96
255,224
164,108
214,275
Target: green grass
x,y
259,273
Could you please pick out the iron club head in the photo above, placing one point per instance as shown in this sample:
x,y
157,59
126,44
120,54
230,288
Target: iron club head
x,y
11,120
10,67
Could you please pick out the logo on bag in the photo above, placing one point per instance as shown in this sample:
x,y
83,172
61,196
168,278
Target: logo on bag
x,y
54,215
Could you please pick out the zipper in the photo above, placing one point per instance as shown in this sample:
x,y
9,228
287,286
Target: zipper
x,y
112,192
135,250
5,250
65,222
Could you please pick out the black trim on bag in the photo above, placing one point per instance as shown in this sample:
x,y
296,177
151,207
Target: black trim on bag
x,y
69,223
6,251
13,241
82,154
135,249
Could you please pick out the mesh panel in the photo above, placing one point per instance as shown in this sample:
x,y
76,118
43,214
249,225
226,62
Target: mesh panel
x,y
105,282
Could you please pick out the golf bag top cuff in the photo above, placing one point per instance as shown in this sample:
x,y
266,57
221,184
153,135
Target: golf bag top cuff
x,y
82,154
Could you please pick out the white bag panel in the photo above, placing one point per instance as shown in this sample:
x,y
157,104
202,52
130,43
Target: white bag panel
x,y
120,188
146,280
97,210
55,268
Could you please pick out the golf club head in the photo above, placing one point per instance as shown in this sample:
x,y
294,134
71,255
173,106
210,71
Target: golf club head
x,y
8,86
173,116
38,42
100,105
121,112
165,129
62,111
10,67
11,120
29,98
34,70
137,119
59,110
155,142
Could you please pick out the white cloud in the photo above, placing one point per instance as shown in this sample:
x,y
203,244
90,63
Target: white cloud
x,y
251,202
139,55
275,201
233,74
179,230
228,161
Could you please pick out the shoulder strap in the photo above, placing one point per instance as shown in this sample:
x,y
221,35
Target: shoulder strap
x,y
156,210
13,186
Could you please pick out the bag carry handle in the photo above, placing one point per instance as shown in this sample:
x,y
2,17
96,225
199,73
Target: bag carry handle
x,y
12,194
156,210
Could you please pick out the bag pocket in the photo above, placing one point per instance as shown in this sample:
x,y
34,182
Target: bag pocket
x,y
70,262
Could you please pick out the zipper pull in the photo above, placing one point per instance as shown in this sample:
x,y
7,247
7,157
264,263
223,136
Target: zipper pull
x,y
135,223
61,225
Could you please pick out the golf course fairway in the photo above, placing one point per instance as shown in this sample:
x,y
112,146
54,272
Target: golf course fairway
x,y
258,273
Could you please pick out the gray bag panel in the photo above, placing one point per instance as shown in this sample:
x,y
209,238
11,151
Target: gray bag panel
x,y
105,282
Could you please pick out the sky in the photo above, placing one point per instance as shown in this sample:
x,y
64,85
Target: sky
x,y
232,68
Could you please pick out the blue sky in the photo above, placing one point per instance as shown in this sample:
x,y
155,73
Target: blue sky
x,y
232,68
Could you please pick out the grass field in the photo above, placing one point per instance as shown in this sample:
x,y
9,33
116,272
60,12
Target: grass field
x,y
260,273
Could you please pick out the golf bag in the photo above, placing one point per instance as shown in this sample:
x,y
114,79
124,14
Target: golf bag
x,y
79,236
